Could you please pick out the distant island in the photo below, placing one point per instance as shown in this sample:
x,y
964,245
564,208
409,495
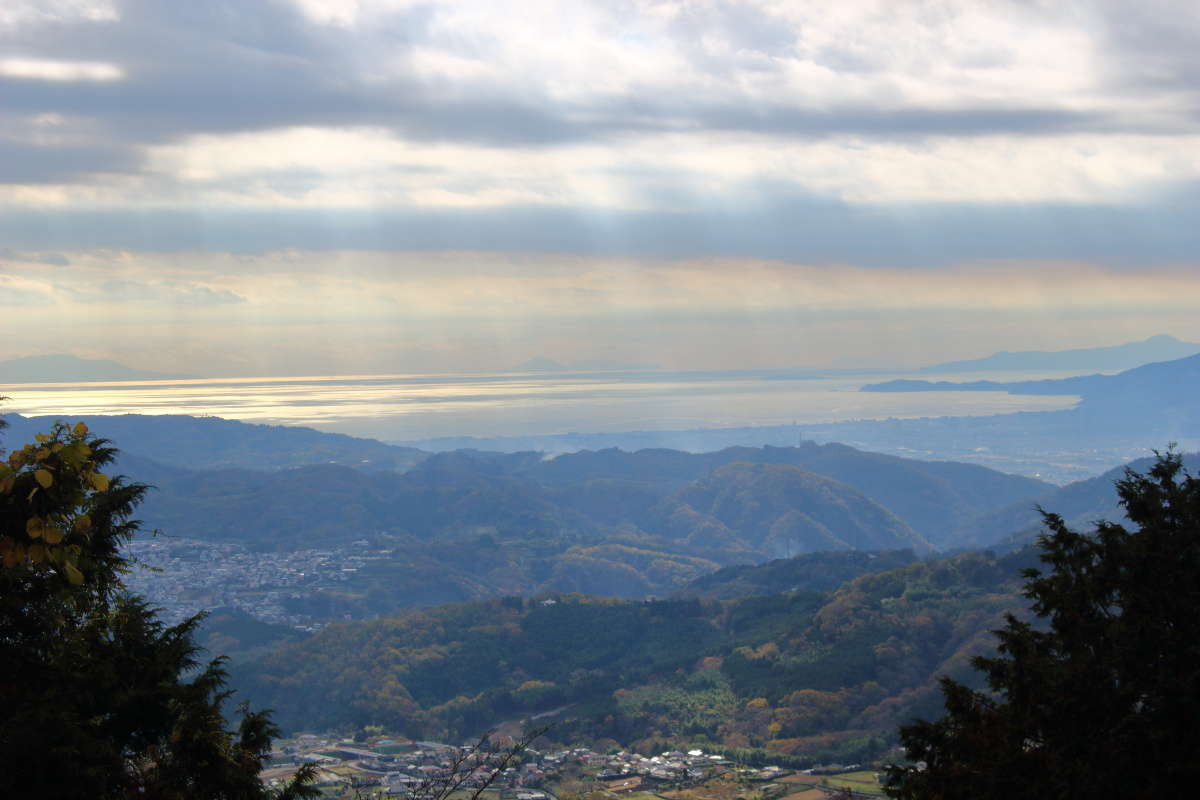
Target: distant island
x,y
543,364
69,369
1097,359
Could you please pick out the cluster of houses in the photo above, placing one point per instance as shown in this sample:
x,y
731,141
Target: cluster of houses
x,y
184,576
406,769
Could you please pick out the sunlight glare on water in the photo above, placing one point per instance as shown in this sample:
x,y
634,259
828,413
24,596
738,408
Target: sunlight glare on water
x,y
417,406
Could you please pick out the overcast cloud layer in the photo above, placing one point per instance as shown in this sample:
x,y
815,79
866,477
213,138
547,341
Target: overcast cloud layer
x,y
465,185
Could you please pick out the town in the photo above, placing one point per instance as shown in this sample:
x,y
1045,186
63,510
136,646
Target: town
x,y
183,577
389,767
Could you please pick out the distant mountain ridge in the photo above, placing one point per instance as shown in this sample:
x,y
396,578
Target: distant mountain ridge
x,y
1080,504
1164,392
1100,359
214,443
69,369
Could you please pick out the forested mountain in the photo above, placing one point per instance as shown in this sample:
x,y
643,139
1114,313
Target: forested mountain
x,y
1081,504
465,525
802,672
933,497
812,572
778,509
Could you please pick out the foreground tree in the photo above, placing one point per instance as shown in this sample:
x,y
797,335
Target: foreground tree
x,y
1100,699
98,697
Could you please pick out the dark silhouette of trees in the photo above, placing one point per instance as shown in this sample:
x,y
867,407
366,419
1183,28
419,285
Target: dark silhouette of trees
x,y
98,697
1100,696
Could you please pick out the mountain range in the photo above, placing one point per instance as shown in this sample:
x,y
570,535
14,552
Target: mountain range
x,y
1155,402
468,524
1100,359
465,525
818,657
215,443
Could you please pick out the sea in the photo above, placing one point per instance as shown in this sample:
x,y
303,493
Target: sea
x,y
413,407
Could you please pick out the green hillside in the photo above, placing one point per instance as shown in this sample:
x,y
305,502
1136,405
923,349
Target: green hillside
x,y
799,673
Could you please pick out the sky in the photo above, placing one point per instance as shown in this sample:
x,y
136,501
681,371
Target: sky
x,y
339,187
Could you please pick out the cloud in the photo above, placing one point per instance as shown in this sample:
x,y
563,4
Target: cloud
x,y
587,125
587,72
159,293
44,69
18,292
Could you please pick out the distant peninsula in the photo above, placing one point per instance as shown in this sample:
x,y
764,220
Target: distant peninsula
x,y
69,369
1146,389
1091,359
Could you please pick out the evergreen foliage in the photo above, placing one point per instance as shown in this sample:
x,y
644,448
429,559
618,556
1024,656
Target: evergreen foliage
x,y
1101,698
98,697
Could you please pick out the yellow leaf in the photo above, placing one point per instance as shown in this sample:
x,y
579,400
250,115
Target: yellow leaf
x,y
83,522
80,429
42,437
52,535
14,556
37,553
44,478
33,527
73,575
99,482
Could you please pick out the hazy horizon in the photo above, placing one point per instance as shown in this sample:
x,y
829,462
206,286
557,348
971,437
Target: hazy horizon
x,y
508,404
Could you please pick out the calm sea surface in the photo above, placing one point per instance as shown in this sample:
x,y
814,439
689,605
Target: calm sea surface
x,y
406,407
